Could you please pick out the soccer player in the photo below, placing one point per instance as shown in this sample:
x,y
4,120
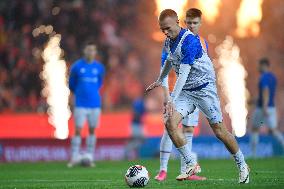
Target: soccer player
x,y
265,112
137,134
195,87
193,23
86,79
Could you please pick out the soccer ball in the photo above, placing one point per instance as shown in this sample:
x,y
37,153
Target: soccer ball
x,y
85,159
137,176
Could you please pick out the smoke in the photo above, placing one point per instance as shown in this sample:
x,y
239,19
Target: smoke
x,y
232,79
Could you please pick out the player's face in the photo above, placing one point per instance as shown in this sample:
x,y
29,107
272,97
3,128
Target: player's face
x,y
170,27
193,24
262,68
90,52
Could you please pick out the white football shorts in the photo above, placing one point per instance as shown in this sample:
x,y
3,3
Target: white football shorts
x,y
205,99
259,119
90,114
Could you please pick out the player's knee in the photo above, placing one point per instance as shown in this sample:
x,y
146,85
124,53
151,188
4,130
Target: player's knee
x,y
78,131
219,131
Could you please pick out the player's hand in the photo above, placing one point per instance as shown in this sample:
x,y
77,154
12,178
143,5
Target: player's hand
x,y
170,108
153,86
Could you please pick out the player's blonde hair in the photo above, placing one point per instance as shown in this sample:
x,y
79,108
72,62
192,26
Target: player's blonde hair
x,y
167,13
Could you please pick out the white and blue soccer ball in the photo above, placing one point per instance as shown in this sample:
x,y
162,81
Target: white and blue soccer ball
x,y
137,176
85,159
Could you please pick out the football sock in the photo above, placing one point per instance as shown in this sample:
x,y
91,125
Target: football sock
x,y
188,137
91,145
165,151
239,159
253,142
186,155
279,137
75,146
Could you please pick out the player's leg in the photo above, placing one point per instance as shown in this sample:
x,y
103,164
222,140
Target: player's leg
x,y
177,137
93,120
257,121
183,107
79,117
188,133
209,104
137,138
188,124
166,146
271,122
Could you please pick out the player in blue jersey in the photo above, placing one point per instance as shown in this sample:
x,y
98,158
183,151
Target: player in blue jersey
x,y
85,81
193,23
137,132
195,87
265,112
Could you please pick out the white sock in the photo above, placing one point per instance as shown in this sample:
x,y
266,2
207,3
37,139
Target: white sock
x,y
279,137
253,142
165,151
186,155
188,137
239,159
75,146
91,144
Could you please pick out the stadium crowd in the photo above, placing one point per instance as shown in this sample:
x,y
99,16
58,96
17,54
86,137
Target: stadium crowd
x,y
108,23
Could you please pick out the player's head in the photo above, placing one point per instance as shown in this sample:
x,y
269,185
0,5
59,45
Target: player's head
x,y
193,20
169,23
263,64
90,50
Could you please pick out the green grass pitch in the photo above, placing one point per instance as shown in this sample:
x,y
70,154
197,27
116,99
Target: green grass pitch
x,y
265,173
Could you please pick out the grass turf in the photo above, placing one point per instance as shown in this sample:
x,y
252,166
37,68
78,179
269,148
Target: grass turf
x,y
265,173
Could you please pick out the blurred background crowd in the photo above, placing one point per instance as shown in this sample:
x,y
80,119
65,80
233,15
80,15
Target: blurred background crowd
x,y
111,24
123,31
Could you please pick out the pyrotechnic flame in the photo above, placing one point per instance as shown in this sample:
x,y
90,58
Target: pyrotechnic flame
x,y
55,87
210,9
248,17
231,78
176,5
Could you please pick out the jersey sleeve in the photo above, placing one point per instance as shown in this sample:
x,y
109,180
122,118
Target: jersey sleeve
x,y
191,49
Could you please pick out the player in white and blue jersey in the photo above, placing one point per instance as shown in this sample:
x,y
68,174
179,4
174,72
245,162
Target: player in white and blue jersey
x,y
85,81
265,112
195,88
193,23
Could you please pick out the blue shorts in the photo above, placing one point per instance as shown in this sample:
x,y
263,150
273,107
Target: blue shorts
x,y
89,114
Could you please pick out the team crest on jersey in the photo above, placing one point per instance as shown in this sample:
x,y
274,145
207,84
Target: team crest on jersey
x,y
82,70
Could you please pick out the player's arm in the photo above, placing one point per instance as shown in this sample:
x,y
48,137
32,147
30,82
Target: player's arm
x,y
72,79
265,94
102,75
166,67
